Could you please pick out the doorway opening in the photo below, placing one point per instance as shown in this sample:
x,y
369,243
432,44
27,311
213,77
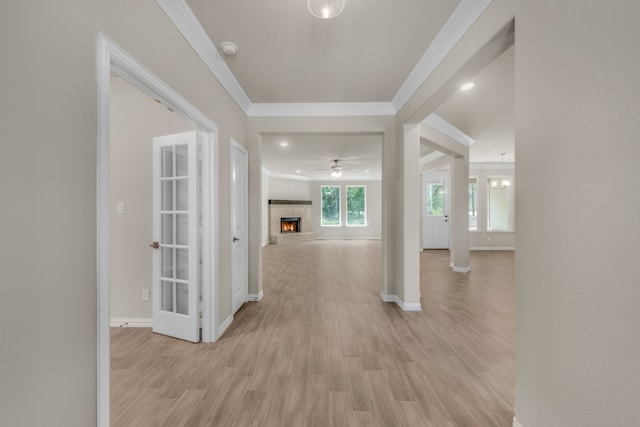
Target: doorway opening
x,y
113,61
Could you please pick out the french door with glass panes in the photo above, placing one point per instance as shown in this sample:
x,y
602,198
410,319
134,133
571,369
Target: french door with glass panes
x,y
175,234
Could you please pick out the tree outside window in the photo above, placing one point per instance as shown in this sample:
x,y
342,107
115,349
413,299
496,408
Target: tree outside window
x,y
356,205
330,205
435,199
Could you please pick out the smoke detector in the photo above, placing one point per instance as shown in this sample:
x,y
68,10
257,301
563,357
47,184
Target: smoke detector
x,y
229,48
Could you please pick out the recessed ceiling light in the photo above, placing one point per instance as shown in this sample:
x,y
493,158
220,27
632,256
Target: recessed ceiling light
x,y
467,86
298,171
284,144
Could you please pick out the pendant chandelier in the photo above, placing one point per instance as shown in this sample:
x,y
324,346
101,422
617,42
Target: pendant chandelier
x,y
504,182
325,9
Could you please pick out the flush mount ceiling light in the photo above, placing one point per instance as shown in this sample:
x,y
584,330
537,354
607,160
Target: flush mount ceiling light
x,y
325,9
467,86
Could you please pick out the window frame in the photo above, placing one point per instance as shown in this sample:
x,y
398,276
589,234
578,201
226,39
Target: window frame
x,y
322,220
477,200
510,191
364,187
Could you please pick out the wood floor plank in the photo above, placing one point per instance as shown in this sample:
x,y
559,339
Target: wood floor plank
x,y
321,349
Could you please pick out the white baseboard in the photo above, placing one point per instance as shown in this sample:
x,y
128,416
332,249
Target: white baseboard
x,y
131,322
223,327
265,243
462,269
348,238
410,306
255,297
492,248
516,423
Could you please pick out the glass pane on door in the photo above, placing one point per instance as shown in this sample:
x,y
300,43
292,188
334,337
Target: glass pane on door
x,y
435,199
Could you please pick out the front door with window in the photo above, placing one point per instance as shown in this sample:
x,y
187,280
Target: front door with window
x,y
435,211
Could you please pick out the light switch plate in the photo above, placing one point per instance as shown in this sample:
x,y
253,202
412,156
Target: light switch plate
x,y
120,208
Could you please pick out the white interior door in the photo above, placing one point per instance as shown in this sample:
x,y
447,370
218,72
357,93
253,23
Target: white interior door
x,y
239,226
175,231
435,211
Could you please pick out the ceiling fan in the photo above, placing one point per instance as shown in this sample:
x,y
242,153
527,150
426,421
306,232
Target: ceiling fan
x,y
336,169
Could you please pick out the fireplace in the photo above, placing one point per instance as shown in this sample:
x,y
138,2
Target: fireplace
x,y
290,225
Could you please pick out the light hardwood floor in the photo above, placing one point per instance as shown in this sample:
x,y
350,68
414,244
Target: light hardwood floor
x,y
322,349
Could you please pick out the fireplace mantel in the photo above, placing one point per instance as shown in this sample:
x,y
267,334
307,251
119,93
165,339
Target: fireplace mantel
x,y
289,202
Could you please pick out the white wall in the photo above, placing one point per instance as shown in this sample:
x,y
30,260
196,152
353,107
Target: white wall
x,y
373,229
135,120
577,287
48,190
288,189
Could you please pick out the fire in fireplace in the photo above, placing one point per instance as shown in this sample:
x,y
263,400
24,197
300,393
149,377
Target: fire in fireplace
x,y
290,225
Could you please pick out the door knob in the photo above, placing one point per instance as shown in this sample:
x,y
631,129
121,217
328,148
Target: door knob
x,y
155,245
235,239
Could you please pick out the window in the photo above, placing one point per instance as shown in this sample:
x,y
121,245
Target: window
x,y
435,199
498,212
330,205
473,204
356,205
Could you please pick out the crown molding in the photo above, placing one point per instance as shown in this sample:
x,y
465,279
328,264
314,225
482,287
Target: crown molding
x,y
319,178
462,18
430,157
341,109
183,18
443,126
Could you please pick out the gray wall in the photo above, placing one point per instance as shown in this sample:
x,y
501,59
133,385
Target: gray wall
x,y
135,120
48,190
288,189
578,157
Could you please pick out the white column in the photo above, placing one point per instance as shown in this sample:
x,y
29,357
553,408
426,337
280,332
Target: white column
x,y
459,244
409,260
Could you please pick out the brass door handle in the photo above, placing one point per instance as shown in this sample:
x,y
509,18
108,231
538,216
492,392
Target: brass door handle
x,y
155,245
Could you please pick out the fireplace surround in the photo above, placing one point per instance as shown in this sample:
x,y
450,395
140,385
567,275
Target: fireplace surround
x,y
290,221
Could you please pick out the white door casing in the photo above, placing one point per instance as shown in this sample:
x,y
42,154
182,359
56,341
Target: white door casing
x,y
176,255
239,215
435,210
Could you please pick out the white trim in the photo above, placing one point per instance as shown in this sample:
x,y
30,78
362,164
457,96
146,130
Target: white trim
x,y
516,423
405,306
131,322
320,178
224,325
443,126
431,157
183,18
110,57
462,18
258,296
462,269
341,109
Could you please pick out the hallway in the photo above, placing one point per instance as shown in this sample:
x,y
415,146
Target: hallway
x,y
322,349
